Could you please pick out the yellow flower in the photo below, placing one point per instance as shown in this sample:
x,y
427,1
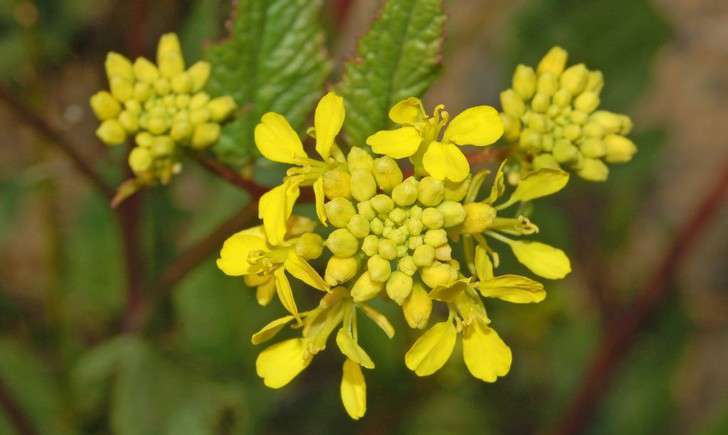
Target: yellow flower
x,y
419,137
277,141
248,253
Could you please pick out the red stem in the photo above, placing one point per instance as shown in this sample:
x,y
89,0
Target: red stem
x,y
16,417
622,331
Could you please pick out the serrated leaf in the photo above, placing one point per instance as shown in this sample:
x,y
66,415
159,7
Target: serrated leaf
x,y
274,60
398,58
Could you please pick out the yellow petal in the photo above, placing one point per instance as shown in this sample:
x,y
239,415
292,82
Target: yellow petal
x,y
407,111
447,293
483,265
276,139
539,183
445,160
352,350
499,186
397,144
284,291
353,390
270,330
300,268
328,119
318,192
542,259
513,288
486,356
275,207
378,318
432,350
233,259
280,363
479,125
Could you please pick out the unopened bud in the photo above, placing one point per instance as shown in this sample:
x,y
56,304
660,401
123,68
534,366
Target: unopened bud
x,y
122,89
161,86
129,121
595,82
199,73
342,243
443,253
512,103
610,122
180,131
162,146
142,91
105,106
572,132
548,84
524,81
593,170
365,288
221,107
407,265
144,139
435,238
205,135
387,249
587,102
339,211
436,275
111,132
399,286
382,204
169,56
431,191
181,84
365,209
358,226
336,183
398,215
140,160
405,193
432,218
593,148
133,106
574,79
511,127
199,101
565,151
619,149
453,213
309,246
417,307
362,184
199,116
387,173
414,226
118,66
456,191
545,161
340,270
370,245
145,71
540,103
478,216
593,129
423,255
379,268
553,62
359,158
376,226
562,98
415,242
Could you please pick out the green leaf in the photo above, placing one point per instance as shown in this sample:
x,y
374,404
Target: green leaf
x,y
398,58
274,60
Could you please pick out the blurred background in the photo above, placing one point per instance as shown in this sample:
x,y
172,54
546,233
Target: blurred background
x,y
66,367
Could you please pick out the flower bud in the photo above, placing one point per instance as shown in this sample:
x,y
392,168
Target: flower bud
x,y
111,132
423,255
548,84
205,135
432,218
407,265
118,66
365,209
365,288
162,86
387,173
572,132
379,268
133,106
536,122
382,204
512,103
565,151
362,184
398,215
414,226
562,98
398,236
545,161
610,122
554,61
456,191
221,107
199,101
157,124
181,84
574,79
593,148
387,249
376,226
309,246
399,286
417,307
511,127
104,106
595,81
144,139
145,71
140,160
626,125
340,270
169,56
129,121
121,88
342,243
142,91
478,216
619,149
443,253
181,131
578,117
162,146
587,102
593,170
540,103
431,191
453,213
339,211
359,158
358,226
435,238
413,242
370,245
593,129
524,81
199,73
436,275
199,116
405,193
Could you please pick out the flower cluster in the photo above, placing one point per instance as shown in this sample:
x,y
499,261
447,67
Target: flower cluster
x,y
551,115
419,240
162,105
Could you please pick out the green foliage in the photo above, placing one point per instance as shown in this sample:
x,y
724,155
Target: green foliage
x,y
274,60
619,37
201,25
398,58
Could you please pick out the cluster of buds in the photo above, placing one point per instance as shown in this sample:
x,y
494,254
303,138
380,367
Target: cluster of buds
x,y
416,241
162,106
551,115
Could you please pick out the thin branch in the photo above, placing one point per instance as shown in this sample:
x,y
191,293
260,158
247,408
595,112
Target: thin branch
x,y
230,175
15,416
189,260
55,136
622,331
